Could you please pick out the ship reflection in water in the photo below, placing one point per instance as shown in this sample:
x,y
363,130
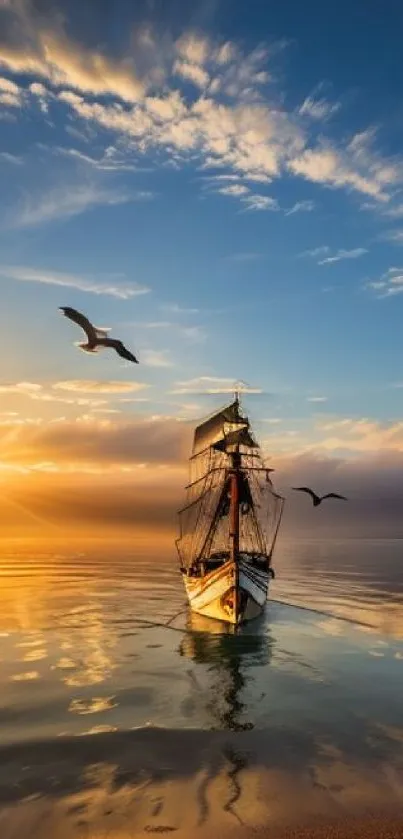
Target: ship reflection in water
x,y
230,653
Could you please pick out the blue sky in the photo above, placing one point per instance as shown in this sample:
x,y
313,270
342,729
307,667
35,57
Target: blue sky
x,y
222,188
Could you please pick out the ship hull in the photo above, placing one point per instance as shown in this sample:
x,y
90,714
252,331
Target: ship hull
x,y
234,592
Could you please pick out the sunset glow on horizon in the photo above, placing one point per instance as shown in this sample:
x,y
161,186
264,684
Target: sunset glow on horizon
x,y
230,208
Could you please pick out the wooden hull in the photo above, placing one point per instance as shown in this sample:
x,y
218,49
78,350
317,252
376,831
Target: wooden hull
x,y
234,592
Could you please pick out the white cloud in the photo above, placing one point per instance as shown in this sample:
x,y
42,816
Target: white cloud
x,y
42,94
92,386
10,93
320,109
193,48
69,200
121,290
229,123
10,158
316,399
301,207
320,251
192,72
260,202
219,178
37,393
258,177
234,189
195,334
395,236
251,139
392,212
110,161
211,384
38,89
225,53
156,358
356,167
179,310
354,253
390,284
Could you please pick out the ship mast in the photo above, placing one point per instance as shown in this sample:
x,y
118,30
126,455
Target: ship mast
x,y
234,498
234,506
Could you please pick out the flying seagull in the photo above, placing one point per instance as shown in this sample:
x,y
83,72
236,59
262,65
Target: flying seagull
x,y
96,337
316,498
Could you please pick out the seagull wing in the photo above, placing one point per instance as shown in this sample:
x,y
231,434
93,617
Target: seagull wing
x,y
335,495
306,489
81,320
120,349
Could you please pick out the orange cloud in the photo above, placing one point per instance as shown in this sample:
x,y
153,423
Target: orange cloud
x,y
120,475
95,442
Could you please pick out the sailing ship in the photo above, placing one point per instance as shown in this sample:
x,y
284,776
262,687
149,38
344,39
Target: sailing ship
x,y
230,523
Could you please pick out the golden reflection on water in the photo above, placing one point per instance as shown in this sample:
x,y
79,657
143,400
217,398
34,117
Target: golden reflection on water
x,y
92,706
75,627
92,653
57,634
25,677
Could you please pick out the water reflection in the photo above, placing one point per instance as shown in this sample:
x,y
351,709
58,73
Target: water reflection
x,y
229,653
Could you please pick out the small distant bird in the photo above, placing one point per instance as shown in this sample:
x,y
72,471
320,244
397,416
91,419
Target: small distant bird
x,y
96,337
316,498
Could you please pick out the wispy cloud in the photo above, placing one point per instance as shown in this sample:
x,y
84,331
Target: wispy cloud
x,y
318,108
390,283
156,358
211,384
68,200
20,387
176,309
301,207
234,189
93,386
316,399
7,157
51,55
38,393
393,212
195,334
354,253
260,202
356,166
319,251
226,120
395,236
112,286
110,161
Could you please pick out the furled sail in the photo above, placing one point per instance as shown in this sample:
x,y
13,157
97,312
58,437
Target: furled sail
x,y
240,437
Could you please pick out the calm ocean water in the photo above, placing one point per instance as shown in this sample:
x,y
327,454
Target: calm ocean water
x,y
99,642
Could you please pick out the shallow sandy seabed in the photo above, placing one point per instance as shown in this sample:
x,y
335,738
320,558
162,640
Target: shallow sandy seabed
x,y
198,783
